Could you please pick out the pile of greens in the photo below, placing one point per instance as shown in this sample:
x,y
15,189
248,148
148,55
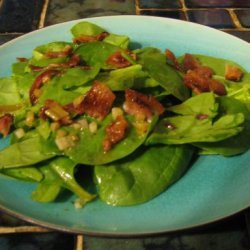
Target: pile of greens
x,y
142,164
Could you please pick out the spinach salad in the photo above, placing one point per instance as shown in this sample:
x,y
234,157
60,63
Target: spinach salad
x,y
102,119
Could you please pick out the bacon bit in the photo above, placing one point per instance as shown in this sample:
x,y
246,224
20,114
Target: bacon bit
x,y
38,83
233,73
67,50
217,87
141,105
118,61
36,68
55,112
22,59
98,101
89,39
172,58
115,132
5,124
190,62
202,116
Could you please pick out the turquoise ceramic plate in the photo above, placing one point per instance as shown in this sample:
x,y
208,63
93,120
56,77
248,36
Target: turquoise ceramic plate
x,y
215,187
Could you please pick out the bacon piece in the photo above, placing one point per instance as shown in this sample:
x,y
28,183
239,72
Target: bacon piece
x,y
233,73
217,87
89,39
5,124
199,80
22,59
66,51
38,83
190,62
55,112
97,103
118,61
115,132
140,105
172,58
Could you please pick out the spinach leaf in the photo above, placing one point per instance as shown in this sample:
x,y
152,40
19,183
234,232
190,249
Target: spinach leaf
x,y
96,53
196,124
153,61
236,144
143,175
25,173
65,168
8,92
89,149
27,152
75,77
86,29
49,188
129,77
117,40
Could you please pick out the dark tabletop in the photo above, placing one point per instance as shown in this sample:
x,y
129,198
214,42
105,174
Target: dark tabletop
x,y
18,17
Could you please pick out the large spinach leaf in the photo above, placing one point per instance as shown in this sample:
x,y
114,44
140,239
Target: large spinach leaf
x,y
196,124
154,63
27,152
236,144
89,149
143,175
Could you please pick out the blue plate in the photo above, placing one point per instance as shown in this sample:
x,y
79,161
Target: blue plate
x,y
214,187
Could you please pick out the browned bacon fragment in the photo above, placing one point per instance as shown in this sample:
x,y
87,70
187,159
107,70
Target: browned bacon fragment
x,y
233,73
97,103
172,58
89,39
117,60
38,83
115,132
190,62
140,105
5,124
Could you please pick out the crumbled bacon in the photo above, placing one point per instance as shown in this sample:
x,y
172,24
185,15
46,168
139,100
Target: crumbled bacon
x,y
190,62
89,39
117,60
199,78
66,51
172,58
38,83
55,112
5,124
98,101
141,105
233,73
22,59
115,132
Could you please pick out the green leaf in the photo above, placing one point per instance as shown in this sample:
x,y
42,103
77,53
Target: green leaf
x,y
75,77
27,152
8,92
96,53
86,29
26,173
154,63
117,40
195,123
49,188
89,149
143,175
234,145
129,77
64,168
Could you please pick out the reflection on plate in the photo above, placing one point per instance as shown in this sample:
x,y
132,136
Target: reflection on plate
x,y
215,187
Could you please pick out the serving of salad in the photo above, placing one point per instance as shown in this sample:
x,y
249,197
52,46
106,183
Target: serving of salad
x,y
102,119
